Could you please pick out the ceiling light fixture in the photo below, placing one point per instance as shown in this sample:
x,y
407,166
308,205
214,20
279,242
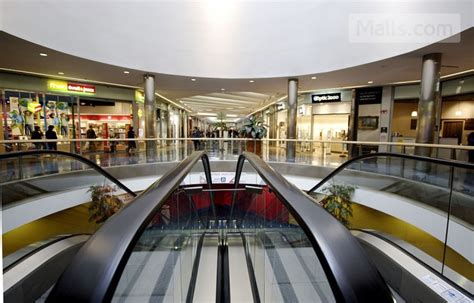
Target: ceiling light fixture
x,y
314,78
193,79
222,89
43,55
60,73
126,72
414,113
231,115
206,114
251,81
370,82
458,113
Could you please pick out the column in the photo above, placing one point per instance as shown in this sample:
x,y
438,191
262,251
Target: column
x,y
291,119
352,150
136,119
386,109
428,103
150,120
272,133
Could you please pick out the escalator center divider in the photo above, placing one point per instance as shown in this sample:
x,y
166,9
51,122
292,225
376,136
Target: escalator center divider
x,y
194,273
223,281
251,271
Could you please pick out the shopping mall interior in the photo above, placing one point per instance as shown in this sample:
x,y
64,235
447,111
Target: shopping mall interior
x,y
237,151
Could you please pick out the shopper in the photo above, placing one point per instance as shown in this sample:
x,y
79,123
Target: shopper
x,y
37,134
131,143
90,134
51,134
196,134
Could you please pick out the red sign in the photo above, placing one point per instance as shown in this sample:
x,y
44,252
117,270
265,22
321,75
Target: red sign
x,y
81,88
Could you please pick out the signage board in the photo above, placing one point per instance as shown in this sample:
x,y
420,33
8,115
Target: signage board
x,y
370,95
139,96
70,87
324,98
281,106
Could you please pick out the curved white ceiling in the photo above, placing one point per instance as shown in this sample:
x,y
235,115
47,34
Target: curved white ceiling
x,y
219,38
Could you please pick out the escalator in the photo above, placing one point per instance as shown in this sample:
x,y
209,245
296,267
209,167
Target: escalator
x,y
263,242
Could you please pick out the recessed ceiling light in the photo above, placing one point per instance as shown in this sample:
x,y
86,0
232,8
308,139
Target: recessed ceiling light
x,y
43,55
193,79
251,81
313,78
60,73
222,89
126,72
370,82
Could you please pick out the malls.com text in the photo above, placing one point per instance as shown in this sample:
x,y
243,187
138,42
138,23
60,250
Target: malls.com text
x,y
404,28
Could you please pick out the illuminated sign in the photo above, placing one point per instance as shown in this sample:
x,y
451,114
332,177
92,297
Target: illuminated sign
x,y
71,88
322,98
139,96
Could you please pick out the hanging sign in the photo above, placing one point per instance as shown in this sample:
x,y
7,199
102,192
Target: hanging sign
x,y
71,88
323,98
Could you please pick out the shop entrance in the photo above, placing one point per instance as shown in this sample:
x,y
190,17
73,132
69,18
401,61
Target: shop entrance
x,y
331,128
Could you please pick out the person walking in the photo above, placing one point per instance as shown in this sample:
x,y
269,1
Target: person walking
x,y
37,134
132,146
196,134
51,134
90,134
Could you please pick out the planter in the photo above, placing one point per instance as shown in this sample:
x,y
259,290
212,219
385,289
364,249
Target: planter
x,y
255,146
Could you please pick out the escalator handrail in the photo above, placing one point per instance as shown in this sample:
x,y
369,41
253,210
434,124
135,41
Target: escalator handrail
x,y
79,158
351,275
47,243
451,163
96,269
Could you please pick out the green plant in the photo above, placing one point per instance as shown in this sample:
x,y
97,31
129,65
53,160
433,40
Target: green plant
x,y
338,202
104,203
220,124
254,128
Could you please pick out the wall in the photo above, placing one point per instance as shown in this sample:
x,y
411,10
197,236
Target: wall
x,y
120,108
449,113
402,117
369,134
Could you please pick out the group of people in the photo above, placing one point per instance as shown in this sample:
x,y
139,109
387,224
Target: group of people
x,y
37,134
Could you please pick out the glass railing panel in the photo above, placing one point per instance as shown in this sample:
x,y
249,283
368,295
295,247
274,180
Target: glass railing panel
x,y
161,263
458,265
285,265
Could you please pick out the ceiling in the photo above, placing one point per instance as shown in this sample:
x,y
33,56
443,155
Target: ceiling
x,y
218,94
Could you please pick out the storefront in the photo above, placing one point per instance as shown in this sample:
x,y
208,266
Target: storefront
x,y
456,120
72,108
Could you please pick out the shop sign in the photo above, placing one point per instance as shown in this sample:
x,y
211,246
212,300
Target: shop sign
x,y
70,88
323,98
280,106
371,95
139,96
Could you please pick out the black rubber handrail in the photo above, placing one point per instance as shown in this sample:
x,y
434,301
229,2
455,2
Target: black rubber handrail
x,y
351,275
44,245
79,158
96,269
450,163
413,256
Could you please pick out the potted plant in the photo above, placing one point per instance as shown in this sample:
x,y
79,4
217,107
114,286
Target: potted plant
x,y
338,202
254,128
104,203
